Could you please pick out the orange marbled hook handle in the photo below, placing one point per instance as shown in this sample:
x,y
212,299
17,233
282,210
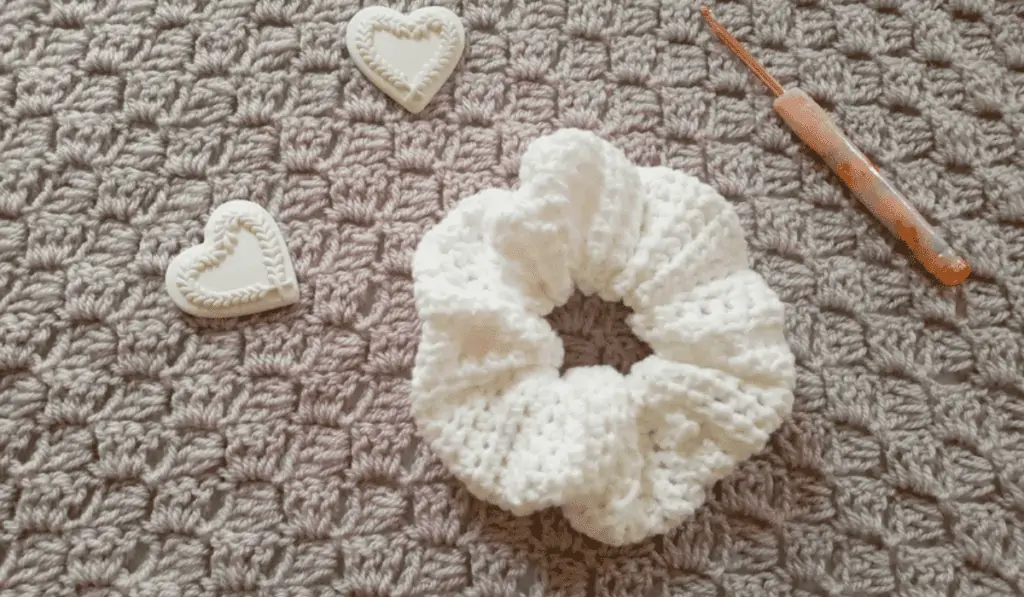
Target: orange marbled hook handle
x,y
812,124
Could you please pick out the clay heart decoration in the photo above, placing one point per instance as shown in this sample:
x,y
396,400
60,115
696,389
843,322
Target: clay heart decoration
x,y
242,267
408,56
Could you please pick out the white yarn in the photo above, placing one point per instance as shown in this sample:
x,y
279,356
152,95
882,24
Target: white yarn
x,y
626,457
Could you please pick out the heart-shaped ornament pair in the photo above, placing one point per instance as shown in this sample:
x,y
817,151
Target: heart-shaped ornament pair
x,y
408,56
242,267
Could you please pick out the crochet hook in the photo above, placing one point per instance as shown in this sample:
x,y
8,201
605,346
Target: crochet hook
x,y
812,124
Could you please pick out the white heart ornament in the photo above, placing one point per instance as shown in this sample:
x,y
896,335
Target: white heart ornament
x,y
409,57
242,267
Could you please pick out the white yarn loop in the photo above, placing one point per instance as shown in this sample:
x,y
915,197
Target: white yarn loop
x,y
626,457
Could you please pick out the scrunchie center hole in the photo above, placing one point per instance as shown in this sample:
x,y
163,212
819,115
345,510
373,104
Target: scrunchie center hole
x,y
595,332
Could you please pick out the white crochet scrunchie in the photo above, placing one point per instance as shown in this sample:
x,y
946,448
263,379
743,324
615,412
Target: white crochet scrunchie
x,y
626,457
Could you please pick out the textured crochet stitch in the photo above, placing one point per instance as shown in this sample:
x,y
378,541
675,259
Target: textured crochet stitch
x,y
626,456
146,453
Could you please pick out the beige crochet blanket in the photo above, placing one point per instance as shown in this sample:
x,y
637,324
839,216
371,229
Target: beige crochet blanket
x,y
147,453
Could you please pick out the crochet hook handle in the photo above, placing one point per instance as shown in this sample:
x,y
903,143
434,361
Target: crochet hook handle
x,y
814,127
812,124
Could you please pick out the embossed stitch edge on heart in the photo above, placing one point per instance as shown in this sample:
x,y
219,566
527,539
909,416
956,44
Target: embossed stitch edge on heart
x,y
227,225
419,27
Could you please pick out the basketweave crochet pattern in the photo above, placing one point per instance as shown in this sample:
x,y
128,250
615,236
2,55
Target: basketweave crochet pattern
x,y
146,453
625,456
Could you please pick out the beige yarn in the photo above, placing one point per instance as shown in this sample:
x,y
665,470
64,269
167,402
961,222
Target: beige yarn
x,y
144,453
